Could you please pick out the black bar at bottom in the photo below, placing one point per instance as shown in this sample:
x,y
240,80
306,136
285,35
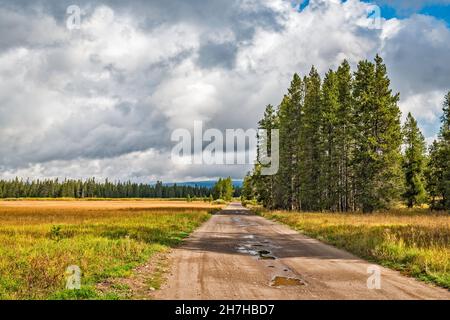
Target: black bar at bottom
x,y
223,309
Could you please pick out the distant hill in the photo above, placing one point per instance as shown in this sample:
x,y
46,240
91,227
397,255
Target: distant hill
x,y
207,184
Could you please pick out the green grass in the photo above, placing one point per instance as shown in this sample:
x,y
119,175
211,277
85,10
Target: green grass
x,y
157,278
415,242
38,244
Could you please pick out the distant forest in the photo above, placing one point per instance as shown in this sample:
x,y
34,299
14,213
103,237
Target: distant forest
x,y
90,188
343,148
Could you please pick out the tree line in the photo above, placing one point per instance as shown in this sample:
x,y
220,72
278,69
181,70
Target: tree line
x,y
90,188
342,147
223,189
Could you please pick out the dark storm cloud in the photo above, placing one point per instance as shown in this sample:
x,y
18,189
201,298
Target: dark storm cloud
x,y
93,134
215,14
217,55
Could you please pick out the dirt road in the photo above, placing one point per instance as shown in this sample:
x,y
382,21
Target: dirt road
x,y
237,255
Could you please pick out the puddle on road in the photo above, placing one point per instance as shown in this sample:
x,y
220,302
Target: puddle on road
x,y
265,255
279,281
261,254
247,250
257,248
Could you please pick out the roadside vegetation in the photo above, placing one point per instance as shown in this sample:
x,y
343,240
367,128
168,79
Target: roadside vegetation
x,y
414,242
38,243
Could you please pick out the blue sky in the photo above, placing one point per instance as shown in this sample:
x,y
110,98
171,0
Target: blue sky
x,y
401,9
440,11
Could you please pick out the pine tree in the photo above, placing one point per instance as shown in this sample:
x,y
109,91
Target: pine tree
x,y
344,140
438,170
248,192
377,137
218,190
265,185
413,163
434,176
283,198
311,145
330,162
289,114
228,189
445,140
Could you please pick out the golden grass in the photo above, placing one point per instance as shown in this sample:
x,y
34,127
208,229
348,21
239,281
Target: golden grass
x,y
415,242
105,204
38,241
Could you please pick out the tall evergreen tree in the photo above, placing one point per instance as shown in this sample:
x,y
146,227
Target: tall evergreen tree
x,y
265,185
289,116
248,188
413,163
377,138
438,171
330,162
434,176
311,145
345,135
445,140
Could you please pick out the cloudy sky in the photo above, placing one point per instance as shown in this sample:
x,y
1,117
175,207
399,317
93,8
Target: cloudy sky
x,y
103,100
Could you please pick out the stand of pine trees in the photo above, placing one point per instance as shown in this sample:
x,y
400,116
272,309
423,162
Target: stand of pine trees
x,y
223,189
92,189
341,147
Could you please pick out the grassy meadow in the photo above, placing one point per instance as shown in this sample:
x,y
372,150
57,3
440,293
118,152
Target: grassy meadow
x,y
106,239
415,242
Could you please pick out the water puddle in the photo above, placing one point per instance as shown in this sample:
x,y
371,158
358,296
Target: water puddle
x,y
279,281
247,250
256,248
265,255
